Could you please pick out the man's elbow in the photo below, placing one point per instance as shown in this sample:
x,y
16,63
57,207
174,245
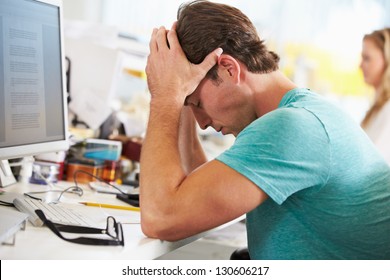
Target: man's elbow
x,y
157,228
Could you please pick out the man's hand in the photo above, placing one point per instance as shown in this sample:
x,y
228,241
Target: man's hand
x,y
171,77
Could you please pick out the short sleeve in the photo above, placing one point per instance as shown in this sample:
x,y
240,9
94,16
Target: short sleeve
x,y
282,152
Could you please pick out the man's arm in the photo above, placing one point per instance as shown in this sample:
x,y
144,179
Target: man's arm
x,y
191,151
174,203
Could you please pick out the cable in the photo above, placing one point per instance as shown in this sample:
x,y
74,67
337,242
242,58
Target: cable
x,y
97,178
73,189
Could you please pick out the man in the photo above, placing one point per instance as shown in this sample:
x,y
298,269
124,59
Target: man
x,y
311,183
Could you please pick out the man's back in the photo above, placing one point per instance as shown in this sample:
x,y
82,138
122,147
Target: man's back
x,y
329,188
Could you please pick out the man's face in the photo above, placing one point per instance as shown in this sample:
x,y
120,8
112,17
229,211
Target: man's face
x,y
222,106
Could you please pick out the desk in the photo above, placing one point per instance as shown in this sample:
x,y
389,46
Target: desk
x,y
41,244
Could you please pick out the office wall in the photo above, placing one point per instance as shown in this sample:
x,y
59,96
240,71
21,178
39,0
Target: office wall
x,y
88,10
319,41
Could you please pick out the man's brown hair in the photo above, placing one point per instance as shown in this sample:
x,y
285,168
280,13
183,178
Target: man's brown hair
x,y
204,26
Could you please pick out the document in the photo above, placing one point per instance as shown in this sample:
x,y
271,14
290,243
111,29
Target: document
x,y
94,74
24,92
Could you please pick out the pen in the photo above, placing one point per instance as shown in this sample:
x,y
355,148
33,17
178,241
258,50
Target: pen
x,y
103,205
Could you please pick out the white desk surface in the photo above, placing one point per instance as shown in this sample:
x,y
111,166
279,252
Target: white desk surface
x,y
40,243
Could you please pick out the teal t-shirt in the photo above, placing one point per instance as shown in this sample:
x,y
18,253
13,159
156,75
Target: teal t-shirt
x,y
329,188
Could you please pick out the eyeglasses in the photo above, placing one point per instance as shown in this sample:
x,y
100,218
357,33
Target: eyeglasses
x,y
113,229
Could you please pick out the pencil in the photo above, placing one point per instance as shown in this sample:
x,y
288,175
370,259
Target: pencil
x,y
103,205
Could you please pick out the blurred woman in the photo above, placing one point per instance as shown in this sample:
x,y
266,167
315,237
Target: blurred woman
x,y
375,65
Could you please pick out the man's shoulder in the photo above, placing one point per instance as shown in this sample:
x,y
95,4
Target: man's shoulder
x,y
285,117
298,95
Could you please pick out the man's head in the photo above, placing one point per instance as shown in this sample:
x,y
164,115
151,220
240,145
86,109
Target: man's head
x,y
204,26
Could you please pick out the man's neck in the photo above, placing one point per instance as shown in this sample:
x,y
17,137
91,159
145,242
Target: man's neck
x,y
269,90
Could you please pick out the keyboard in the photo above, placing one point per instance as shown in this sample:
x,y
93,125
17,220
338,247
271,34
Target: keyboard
x,y
53,212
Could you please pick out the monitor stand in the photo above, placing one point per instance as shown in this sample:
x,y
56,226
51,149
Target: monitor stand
x,y
6,176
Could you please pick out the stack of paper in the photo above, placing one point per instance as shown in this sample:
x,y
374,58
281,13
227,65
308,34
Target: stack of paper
x,y
11,222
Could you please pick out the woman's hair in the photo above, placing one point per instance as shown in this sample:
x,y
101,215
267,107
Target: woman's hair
x,y
381,38
204,26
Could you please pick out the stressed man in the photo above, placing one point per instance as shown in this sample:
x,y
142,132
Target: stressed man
x,y
310,181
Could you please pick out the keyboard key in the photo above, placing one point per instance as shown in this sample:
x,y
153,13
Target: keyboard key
x,y
54,212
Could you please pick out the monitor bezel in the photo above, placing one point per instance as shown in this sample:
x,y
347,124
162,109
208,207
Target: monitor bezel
x,y
31,149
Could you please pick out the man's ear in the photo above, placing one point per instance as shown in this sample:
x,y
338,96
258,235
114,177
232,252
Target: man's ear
x,y
229,66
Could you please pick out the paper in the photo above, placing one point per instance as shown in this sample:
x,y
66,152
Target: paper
x,y
11,222
93,80
91,108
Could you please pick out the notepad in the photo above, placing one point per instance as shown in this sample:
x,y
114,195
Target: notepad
x,y
11,222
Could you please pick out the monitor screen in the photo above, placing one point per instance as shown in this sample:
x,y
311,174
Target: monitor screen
x,y
33,108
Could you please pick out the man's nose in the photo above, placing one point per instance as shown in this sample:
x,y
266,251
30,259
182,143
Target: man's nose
x,y
203,119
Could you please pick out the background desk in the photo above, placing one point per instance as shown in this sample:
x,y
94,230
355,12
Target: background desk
x,y
40,243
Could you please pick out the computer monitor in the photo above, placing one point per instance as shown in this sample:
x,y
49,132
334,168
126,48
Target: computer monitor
x,y
33,107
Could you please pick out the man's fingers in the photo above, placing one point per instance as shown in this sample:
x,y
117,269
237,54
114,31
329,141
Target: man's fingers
x,y
152,42
161,38
211,59
172,39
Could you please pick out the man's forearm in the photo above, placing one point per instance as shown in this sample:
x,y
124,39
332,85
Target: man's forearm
x,y
161,170
191,151
160,159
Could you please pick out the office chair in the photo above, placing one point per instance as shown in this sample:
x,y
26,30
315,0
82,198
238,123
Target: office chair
x,y
240,254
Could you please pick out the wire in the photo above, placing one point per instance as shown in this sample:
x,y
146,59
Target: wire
x,y
97,178
5,203
73,189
